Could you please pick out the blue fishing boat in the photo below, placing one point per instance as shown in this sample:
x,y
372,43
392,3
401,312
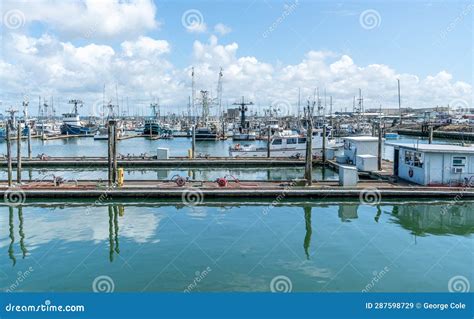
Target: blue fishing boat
x,y
71,122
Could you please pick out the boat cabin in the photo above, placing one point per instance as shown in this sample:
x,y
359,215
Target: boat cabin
x,y
434,164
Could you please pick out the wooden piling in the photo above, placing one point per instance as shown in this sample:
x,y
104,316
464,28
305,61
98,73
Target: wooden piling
x,y
114,159
109,153
29,141
268,141
324,144
193,142
9,153
309,155
379,150
18,153
430,134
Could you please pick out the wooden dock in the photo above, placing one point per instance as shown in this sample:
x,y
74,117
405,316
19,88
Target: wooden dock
x,y
150,162
370,192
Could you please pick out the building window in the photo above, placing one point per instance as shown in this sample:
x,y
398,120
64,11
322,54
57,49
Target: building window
x,y
409,158
413,159
418,160
459,161
291,141
302,140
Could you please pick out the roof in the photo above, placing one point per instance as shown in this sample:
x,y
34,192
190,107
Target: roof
x,y
361,138
435,148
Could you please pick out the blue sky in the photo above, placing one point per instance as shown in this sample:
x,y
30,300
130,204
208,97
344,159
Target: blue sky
x,y
409,37
427,43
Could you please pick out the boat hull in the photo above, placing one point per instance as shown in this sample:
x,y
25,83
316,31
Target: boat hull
x,y
69,129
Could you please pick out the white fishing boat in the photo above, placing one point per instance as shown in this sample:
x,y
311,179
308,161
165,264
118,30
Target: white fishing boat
x,y
287,144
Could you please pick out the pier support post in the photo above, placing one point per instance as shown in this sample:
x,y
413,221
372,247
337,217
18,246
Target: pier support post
x,y
268,140
324,144
430,134
379,147
109,152
193,142
18,153
9,153
114,148
308,174
29,141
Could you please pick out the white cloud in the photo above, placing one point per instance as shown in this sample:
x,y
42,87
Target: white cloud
x,y
145,47
222,29
142,69
90,18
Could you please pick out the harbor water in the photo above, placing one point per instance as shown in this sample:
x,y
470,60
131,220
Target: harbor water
x,y
236,246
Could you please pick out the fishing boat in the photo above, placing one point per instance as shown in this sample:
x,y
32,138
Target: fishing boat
x,y
152,127
287,144
71,122
206,134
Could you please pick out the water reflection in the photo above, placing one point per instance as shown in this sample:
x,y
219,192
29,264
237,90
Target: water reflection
x,y
11,252
309,230
436,219
141,222
114,212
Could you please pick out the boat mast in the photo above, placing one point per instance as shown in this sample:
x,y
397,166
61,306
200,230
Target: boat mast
x,y
193,96
243,108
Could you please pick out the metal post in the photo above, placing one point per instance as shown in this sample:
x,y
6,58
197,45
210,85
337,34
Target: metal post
x,y
309,155
29,141
379,151
193,143
18,153
430,134
9,154
109,153
324,145
269,131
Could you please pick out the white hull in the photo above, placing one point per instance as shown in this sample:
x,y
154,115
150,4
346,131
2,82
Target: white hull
x,y
277,153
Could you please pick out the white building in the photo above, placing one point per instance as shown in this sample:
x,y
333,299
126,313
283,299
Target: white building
x,y
434,164
360,150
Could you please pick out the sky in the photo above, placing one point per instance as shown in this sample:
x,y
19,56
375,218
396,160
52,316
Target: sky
x,y
142,51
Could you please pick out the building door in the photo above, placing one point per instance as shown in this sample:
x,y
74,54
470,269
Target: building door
x,y
396,152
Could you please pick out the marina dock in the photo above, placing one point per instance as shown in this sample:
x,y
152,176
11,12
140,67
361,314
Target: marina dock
x,y
82,162
371,191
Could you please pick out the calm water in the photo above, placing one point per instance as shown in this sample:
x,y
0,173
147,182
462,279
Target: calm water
x,y
86,146
209,174
236,246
